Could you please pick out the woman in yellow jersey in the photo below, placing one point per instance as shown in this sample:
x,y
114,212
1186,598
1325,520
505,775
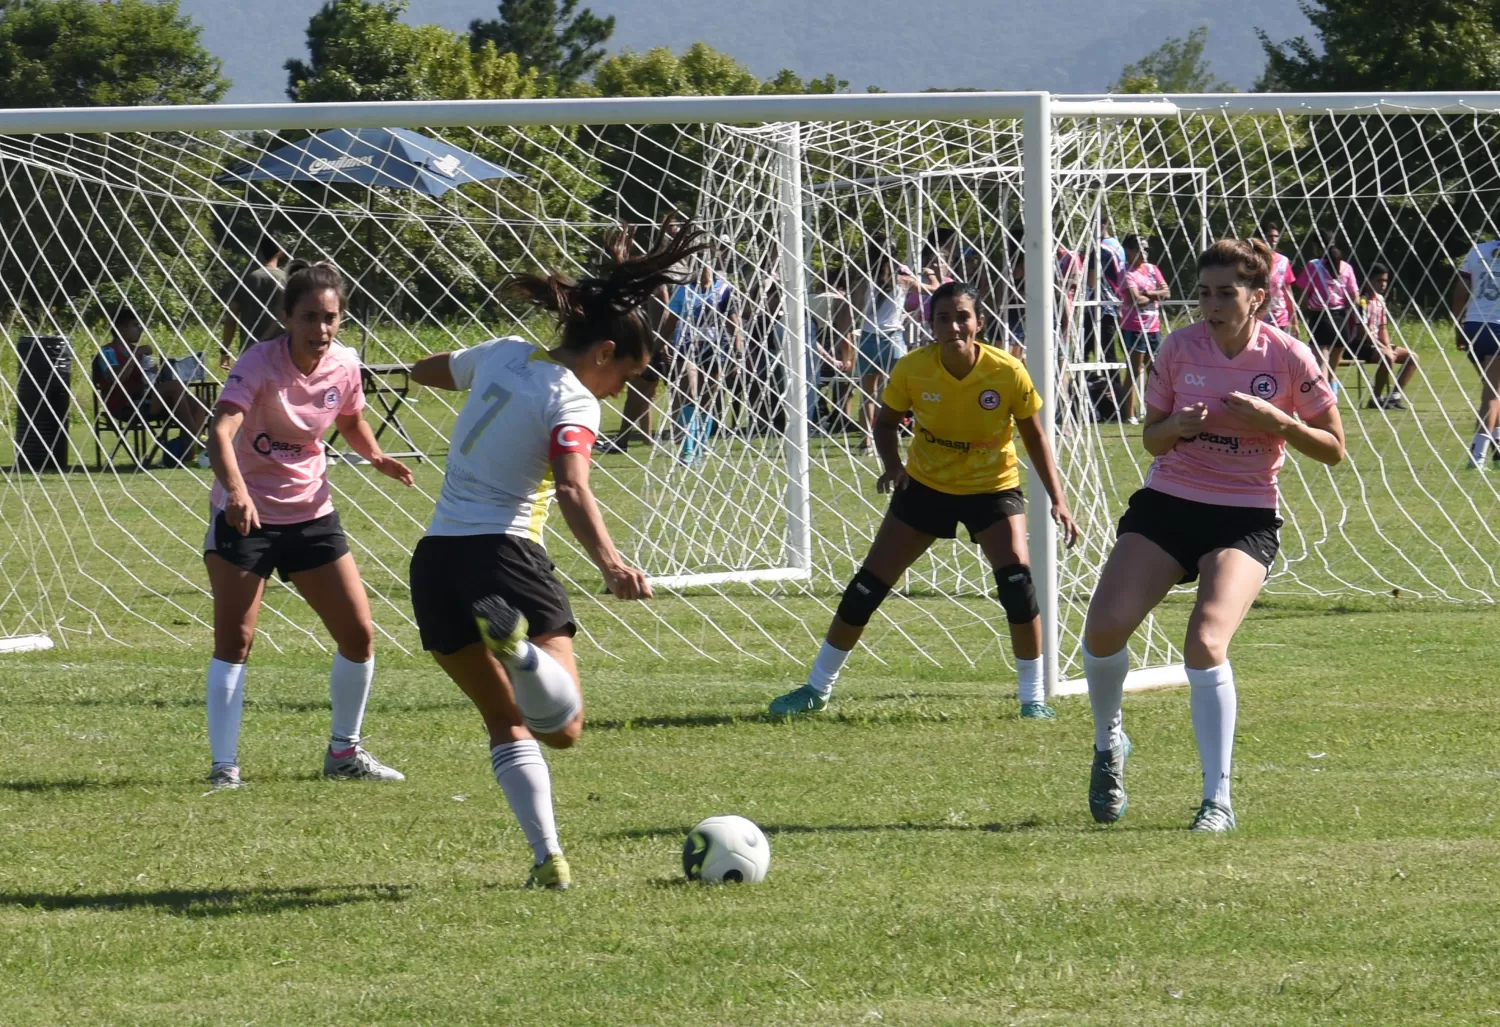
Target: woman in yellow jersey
x,y
966,398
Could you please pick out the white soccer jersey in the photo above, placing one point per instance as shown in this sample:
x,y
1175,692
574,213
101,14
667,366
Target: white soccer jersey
x,y
523,408
1482,270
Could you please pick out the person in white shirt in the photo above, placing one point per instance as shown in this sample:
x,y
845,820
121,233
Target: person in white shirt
x,y
485,598
1476,309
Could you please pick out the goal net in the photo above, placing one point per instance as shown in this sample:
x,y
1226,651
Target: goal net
x,y
749,497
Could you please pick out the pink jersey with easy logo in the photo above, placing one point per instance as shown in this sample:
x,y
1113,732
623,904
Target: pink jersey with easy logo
x,y
1282,278
1145,318
280,444
1230,463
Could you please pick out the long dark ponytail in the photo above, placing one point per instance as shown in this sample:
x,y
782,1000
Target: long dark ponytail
x,y
611,302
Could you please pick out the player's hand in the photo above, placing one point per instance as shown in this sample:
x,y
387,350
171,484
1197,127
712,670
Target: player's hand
x,y
240,512
893,480
392,468
1190,420
627,582
1460,339
1065,523
1255,412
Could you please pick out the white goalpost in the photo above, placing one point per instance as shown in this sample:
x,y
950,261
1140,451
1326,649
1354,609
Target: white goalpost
x,y
751,503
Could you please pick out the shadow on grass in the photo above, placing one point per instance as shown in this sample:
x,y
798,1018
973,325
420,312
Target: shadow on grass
x,y
862,713
66,784
195,702
210,902
637,833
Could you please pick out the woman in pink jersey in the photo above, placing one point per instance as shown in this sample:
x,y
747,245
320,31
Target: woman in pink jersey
x,y
1280,311
1142,288
1227,396
270,511
484,592
1328,290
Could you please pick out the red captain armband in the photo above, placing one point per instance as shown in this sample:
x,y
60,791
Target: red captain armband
x,y
570,438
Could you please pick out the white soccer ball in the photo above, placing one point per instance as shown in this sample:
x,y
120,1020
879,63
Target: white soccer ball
x,y
726,849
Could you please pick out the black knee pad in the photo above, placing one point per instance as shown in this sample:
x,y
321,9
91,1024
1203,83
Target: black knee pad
x,y
862,598
1016,593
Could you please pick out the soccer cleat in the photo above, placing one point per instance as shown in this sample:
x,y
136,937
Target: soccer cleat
x,y
1213,818
224,775
798,702
554,874
1107,799
1037,711
1394,403
500,625
359,765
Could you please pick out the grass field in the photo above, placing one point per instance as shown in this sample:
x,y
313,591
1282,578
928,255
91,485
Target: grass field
x,y
933,863
933,860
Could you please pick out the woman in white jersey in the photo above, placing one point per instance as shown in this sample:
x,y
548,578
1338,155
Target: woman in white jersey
x,y
1226,396
487,604
1476,309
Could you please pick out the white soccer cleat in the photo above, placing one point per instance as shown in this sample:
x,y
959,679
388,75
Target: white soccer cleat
x,y
224,775
359,765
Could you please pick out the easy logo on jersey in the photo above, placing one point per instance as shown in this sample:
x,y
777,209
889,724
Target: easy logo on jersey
x,y
286,452
989,399
1264,386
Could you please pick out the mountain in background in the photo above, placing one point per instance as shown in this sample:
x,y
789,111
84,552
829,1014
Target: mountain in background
x,y
1066,46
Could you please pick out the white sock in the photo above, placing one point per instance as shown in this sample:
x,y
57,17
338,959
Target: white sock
x,y
1033,686
1214,706
522,772
1480,446
1106,678
546,693
825,669
226,701
349,690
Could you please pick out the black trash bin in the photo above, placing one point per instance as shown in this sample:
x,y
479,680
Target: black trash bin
x,y
44,396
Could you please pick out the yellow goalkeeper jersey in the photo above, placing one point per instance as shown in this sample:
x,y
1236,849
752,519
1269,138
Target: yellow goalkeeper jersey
x,y
964,442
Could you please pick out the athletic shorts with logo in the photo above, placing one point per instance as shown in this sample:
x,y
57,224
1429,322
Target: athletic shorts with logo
x,y
286,549
1188,530
940,513
450,572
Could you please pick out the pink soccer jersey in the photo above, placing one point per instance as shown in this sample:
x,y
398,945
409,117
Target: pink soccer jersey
x,y
1282,278
1145,318
1324,290
280,444
1229,463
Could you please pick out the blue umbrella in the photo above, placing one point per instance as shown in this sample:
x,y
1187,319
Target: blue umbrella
x,y
393,158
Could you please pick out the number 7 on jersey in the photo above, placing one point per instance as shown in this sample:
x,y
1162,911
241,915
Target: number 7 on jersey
x,y
497,398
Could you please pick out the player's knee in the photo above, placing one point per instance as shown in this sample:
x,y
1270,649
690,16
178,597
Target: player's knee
x,y
564,739
1105,633
1016,592
1206,645
862,598
357,641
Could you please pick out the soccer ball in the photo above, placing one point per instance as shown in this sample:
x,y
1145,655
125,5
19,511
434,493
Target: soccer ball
x,y
726,849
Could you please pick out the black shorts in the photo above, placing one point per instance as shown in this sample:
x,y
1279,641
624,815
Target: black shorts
x,y
940,513
658,367
450,572
1327,328
1483,338
286,549
1188,531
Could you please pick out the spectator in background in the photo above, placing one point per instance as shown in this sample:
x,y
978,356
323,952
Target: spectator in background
x,y
1105,268
1142,288
640,393
1070,274
830,354
1476,309
879,302
1280,311
131,387
1369,331
252,302
703,320
1328,289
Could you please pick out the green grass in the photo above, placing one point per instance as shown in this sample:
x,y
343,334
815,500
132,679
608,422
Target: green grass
x,y
933,859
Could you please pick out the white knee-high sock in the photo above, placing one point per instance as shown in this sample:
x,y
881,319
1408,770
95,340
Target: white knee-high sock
x,y
226,703
522,772
826,668
1106,678
546,693
1480,447
1215,705
1032,686
348,691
